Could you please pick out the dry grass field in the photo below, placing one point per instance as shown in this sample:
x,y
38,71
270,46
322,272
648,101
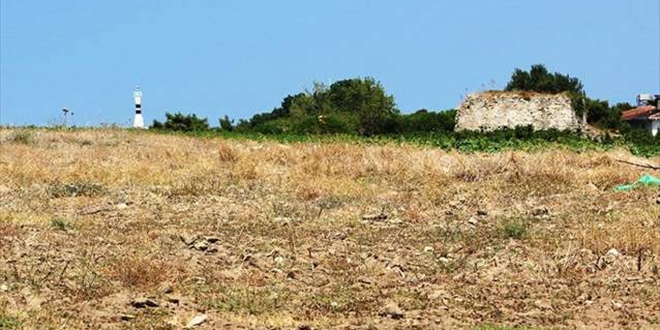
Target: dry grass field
x,y
115,229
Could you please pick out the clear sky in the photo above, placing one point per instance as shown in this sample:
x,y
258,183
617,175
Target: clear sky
x,y
240,57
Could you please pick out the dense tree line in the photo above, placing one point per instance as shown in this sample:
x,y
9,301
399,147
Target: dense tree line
x,y
361,106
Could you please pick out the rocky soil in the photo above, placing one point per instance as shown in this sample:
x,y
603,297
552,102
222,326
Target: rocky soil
x,y
112,229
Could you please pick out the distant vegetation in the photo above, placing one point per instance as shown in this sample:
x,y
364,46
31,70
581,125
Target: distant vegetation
x,y
361,107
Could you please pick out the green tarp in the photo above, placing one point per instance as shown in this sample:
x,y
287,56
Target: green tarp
x,y
645,180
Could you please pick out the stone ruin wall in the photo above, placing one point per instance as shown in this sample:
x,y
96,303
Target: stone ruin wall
x,y
492,110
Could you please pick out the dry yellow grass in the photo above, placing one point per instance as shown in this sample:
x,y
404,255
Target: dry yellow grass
x,y
92,219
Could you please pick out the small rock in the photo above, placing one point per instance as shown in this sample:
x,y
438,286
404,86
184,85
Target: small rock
x,y
428,249
482,213
543,304
201,245
121,206
541,211
212,239
473,221
174,299
612,253
392,310
304,327
443,260
144,302
616,305
4,288
126,317
188,239
197,320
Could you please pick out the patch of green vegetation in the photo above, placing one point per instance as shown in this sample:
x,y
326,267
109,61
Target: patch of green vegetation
x,y
9,322
60,224
253,301
514,228
76,189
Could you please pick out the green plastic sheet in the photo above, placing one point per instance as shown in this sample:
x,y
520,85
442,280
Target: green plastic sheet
x,y
645,180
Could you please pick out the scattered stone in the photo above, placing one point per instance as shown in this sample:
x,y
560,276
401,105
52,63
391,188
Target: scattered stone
x,y
392,310
482,213
541,211
197,320
188,239
174,299
543,304
121,206
126,317
443,260
202,245
613,253
212,239
304,327
473,221
4,288
166,288
428,249
617,305
143,303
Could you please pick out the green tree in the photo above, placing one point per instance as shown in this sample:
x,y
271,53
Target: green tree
x,y
181,122
540,80
424,121
226,124
366,100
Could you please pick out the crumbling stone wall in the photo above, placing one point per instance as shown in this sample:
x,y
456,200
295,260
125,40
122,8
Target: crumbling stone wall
x,y
494,109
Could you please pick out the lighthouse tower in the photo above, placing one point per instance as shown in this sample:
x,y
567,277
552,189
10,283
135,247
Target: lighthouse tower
x,y
138,122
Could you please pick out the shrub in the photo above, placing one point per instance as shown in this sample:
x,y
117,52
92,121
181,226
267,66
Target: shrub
x,y
181,122
60,224
514,228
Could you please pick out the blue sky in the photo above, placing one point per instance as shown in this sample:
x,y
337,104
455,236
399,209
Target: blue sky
x,y
215,57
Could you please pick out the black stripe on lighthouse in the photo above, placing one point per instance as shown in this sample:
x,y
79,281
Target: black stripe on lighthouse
x,y
138,109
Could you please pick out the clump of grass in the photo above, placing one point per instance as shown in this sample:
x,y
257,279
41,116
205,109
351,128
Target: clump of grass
x,y
21,137
76,189
254,301
514,228
60,224
140,273
9,322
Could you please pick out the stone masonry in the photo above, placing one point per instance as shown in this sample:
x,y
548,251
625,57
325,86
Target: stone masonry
x,y
497,109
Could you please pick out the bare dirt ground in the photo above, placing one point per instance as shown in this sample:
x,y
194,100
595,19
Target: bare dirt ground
x,y
112,229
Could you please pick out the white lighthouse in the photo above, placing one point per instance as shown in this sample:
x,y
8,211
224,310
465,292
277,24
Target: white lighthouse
x,y
138,122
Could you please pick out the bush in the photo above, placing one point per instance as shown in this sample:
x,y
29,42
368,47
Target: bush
x,y
181,122
514,228
226,124
424,121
